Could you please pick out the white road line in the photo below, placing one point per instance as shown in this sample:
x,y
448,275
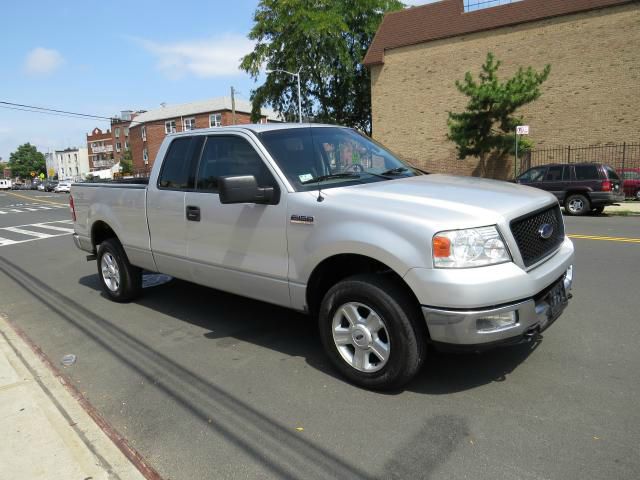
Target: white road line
x,y
51,227
6,241
27,232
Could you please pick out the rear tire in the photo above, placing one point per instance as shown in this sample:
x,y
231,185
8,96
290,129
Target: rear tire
x,y
372,331
121,281
577,204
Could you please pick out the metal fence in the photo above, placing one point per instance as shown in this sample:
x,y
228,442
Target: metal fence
x,y
619,156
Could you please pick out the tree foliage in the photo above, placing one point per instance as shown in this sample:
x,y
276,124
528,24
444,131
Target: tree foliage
x,y
26,159
327,40
126,163
488,124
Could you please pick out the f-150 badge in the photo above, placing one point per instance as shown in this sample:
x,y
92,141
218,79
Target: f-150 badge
x,y
303,219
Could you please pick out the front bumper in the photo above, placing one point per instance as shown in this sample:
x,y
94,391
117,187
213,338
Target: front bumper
x,y
530,316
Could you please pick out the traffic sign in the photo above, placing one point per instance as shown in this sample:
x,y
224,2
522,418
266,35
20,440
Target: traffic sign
x,y
522,129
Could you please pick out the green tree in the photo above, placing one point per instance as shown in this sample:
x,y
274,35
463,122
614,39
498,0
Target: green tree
x,y
487,126
26,159
126,163
326,40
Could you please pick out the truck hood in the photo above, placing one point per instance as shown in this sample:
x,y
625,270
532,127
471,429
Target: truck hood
x,y
452,200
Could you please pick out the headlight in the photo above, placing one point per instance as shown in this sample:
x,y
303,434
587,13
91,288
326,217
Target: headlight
x,y
473,247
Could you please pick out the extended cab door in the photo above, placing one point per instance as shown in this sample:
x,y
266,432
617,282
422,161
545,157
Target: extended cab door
x,y
239,248
166,206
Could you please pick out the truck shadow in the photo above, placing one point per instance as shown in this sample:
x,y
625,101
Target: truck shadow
x,y
231,319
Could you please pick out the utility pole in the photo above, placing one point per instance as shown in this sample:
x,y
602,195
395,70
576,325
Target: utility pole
x,y
233,106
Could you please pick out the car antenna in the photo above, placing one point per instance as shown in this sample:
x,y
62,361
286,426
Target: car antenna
x,y
320,197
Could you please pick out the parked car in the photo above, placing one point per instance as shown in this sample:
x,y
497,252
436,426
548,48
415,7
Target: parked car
x,y
63,187
50,185
631,182
5,184
580,187
41,187
322,220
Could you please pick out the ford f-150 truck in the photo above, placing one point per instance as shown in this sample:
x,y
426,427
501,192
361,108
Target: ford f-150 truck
x,y
321,219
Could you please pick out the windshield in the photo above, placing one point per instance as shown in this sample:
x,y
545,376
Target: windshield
x,y
331,157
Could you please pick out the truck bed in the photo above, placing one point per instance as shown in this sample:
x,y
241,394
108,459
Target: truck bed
x,y
122,206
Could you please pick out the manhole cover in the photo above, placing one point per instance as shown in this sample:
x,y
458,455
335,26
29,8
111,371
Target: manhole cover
x,y
68,360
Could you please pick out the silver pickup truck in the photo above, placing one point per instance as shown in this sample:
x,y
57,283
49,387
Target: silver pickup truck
x,y
320,219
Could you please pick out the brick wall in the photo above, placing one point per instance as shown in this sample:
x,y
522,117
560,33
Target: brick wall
x,y
156,133
592,95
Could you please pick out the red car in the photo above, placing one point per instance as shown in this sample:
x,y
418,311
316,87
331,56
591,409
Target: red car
x,y
631,182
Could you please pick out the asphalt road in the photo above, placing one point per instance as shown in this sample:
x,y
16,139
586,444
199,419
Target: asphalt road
x,y
209,385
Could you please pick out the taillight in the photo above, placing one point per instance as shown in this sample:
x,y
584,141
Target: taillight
x,y
72,207
606,186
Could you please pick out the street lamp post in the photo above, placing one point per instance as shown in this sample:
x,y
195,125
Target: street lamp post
x,y
297,75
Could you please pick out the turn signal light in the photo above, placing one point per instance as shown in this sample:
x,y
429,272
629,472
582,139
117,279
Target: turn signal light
x,y
441,247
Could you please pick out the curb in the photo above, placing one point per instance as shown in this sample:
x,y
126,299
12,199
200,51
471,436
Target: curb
x,y
121,443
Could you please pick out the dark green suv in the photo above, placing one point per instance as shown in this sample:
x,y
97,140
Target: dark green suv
x,y
581,187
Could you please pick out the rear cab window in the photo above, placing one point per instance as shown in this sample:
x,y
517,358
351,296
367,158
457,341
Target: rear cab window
x,y
179,165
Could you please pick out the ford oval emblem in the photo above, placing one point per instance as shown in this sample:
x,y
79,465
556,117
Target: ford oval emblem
x,y
545,231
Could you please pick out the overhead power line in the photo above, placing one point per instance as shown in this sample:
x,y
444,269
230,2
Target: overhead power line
x,y
53,111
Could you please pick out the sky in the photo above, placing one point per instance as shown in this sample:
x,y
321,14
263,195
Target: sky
x,y
103,57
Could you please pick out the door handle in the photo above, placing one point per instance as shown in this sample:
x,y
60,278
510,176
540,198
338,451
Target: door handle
x,y
193,213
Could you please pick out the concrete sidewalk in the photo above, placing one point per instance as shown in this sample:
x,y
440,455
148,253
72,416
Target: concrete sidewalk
x,y
45,432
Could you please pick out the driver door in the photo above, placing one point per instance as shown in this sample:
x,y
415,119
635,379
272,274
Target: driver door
x,y
238,248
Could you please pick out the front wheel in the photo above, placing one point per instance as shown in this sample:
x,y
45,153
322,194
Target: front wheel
x,y
577,204
372,331
121,281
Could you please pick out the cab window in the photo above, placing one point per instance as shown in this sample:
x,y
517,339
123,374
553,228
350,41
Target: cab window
x,y
227,155
178,167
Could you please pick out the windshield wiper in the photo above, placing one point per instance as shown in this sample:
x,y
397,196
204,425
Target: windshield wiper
x,y
394,171
322,178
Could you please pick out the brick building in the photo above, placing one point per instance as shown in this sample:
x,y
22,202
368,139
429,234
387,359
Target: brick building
x,y
591,97
100,148
106,149
149,128
120,133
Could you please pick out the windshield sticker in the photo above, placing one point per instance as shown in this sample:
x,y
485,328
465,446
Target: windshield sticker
x,y
306,177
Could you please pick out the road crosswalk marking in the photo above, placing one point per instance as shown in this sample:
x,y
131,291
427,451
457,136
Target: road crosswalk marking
x,y
58,228
27,207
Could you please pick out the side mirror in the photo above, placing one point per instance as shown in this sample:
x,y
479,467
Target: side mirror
x,y
243,189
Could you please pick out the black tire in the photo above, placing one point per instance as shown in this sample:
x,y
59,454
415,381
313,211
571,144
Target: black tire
x,y
129,284
597,210
577,204
404,330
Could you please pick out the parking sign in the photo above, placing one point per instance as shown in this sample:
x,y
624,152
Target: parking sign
x,y
522,129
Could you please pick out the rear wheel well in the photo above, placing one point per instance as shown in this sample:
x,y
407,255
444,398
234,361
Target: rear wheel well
x,y
101,232
334,269
577,192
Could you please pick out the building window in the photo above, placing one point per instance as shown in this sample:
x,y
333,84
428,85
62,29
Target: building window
x,y
170,126
117,132
143,131
189,124
473,5
126,144
215,120
145,156
118,146
126,131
